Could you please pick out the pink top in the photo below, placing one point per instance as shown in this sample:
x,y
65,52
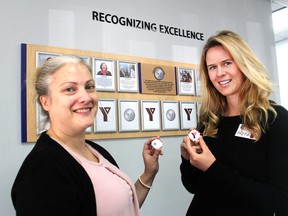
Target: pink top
x,y
114,191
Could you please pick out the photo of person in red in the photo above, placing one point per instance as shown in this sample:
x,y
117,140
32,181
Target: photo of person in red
x,y
104,70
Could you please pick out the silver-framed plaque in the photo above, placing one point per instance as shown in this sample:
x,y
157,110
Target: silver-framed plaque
x,y
150,115
106,118
170,115
188,113
129,119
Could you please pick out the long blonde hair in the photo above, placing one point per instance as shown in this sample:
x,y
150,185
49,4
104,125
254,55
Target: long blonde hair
x,y
254,92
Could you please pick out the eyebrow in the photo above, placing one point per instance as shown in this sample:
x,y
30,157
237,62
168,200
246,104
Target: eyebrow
x,y
75,83
221,61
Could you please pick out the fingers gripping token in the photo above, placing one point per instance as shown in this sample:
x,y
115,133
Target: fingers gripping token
x,y
157,144
194,135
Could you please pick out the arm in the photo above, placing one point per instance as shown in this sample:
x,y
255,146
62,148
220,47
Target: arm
x,y
150,157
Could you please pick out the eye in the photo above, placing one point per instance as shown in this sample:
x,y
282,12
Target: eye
x,y
227,63
70,89
213,67
90,87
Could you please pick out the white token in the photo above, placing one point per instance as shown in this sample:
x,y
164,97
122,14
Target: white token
x,y
194,135
157,144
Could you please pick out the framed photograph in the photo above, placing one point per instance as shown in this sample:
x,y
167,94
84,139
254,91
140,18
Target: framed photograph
x,y
106,118
42,57
188,115
128,77
150,114
186,82
104,74
197,83
170,115
129,119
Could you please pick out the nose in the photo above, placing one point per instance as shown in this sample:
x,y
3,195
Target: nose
x,y
84,96
220,71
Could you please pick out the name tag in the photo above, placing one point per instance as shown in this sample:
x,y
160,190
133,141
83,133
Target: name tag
x,y
242,132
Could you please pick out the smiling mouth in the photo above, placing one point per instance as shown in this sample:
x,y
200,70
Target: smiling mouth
x,y
83,110
225,82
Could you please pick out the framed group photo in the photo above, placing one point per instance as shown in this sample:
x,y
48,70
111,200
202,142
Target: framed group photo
x,y
104,74
186,81
128,78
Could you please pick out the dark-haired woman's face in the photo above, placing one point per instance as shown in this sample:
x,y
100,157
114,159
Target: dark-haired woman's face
x,y
223,72
104,67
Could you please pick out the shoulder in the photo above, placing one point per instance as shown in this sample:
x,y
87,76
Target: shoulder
x,y
282,113
280,122
103,152
46,155
280,109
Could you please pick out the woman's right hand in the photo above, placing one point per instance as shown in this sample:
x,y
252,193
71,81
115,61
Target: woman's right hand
x,y
183,148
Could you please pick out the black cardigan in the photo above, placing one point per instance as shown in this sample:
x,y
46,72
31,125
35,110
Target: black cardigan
x,y
51,182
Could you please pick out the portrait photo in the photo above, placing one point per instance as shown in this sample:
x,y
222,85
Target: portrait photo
x,y
104,75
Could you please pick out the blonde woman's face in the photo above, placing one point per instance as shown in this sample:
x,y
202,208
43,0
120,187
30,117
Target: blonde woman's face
x,y
223,72
72,101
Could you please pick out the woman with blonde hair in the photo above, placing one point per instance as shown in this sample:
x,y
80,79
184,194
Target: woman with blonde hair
x,y
239,165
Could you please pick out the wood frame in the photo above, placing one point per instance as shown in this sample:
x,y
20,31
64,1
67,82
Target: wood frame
x,y
28,100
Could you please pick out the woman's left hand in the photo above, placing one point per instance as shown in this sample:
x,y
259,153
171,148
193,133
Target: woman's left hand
x,y
200,155
150,157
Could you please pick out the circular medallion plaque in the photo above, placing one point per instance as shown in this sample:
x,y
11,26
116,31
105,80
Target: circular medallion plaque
x,y
129,114
158,73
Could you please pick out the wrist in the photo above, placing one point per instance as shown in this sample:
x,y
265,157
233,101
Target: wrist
x,y
144,184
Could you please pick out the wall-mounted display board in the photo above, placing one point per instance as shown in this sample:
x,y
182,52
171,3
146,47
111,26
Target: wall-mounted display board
x,y
138,97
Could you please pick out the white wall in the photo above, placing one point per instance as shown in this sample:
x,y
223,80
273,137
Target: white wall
x,y
68,24
281,52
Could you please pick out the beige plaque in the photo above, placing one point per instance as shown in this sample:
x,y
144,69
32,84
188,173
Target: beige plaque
x,y
158,79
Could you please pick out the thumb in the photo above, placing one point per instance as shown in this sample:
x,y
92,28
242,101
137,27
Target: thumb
x,y
202,144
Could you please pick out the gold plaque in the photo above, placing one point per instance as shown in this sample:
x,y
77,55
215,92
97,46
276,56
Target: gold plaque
x,y
158,79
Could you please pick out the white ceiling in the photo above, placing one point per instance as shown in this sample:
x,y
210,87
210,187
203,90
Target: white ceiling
x,y
277,5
